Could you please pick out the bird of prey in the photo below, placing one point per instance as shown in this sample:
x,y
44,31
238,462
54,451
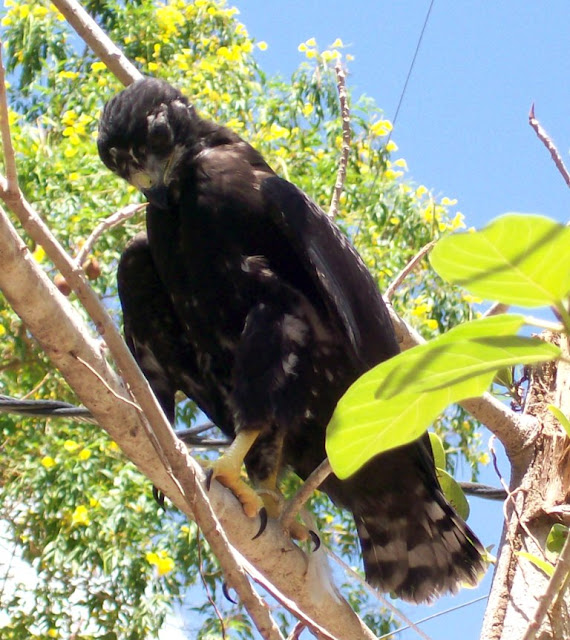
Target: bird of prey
x,y
246,297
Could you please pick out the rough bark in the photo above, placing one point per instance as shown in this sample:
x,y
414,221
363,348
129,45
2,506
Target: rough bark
x,y
540,490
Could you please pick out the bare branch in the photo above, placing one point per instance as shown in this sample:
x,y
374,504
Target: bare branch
x,y
103,47
496,309
405,272
311,484
113,220
346,137
558,582
546,140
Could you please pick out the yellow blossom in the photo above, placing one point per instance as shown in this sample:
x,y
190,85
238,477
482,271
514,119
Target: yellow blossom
x,y
70,445
457,222
68,75
302,47
162,561
80,516
307,109
431,323
311,53
400,162
337,44
84,454
98,66
421,191
381,128
39,254
448,202
69,152
330,55
52,633
391,146
470,299
152,66
48,462
390,174
93,502
349,57
68,118
73,176
311,42
262,46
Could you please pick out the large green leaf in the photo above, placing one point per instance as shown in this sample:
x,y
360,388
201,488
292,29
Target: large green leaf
x,y
394,403
453,492
517,259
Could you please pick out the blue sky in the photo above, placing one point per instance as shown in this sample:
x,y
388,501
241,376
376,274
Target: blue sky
x,y
463,127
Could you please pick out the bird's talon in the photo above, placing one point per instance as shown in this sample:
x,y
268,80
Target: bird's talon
x,y
209,476
316,540
262,523
226,592
159,497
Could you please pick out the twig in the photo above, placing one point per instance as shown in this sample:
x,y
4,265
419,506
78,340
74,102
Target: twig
x,y
297,631
483,491
346,137
496,309
113,220
313,482
511,499
546,140
103,47
408,269
205,584
555,585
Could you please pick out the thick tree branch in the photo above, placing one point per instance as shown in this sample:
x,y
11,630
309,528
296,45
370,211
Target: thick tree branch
x,y
103,47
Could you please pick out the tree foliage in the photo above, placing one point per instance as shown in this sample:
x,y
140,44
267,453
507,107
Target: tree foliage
x,y
80,514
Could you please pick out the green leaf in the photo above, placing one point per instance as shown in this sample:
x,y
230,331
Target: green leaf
x,y
453,492
556,537
538,562
414,391
472,349
517,259
437,450
555,411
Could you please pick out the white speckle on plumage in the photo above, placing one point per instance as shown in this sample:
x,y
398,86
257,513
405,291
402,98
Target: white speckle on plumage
x,y
289,363
329,375
294,329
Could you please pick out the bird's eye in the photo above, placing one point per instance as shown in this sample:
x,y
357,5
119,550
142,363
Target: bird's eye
x,y
141,180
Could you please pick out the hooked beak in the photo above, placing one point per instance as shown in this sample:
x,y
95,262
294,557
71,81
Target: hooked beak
x,y
157,196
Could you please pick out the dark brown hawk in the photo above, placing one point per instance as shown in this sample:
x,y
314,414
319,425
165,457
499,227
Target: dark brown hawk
x,y
246,297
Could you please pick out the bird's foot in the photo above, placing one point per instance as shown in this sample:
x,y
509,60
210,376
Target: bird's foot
x,y
227,471
274,503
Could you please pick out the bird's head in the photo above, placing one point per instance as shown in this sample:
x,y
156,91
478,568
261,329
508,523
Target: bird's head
x,y
144,134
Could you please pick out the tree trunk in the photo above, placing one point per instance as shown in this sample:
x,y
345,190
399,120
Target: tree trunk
x,y
540,486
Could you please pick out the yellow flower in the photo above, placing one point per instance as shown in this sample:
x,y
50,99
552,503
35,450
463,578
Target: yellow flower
x,y
400,162
457,222
52,633
163,562
262,46
302,47
311,42
80,516
381,128
307,110
448,202
39,254
391,146
152,66
48,462
93,502
421,191
70,445
84,454
69,152
337,44
68,118
431,323
390,174
330,55
68,75
98,66
470,299
311,53
73,176
349,57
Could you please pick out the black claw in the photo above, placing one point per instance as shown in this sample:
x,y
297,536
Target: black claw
x,y
159,497
209,476
316,540
263,522
226,592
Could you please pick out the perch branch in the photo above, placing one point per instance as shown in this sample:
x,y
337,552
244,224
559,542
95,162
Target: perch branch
x,y
103,47
113,220
405,272
547,142
346,137
311,484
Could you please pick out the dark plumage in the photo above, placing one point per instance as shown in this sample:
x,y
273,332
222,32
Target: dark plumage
x,y
248,299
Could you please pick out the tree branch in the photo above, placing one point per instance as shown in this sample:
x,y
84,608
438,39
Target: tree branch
x,y
346,137
103,47
547,142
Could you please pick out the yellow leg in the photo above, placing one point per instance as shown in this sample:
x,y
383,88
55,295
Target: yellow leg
x,y
274,501
227,470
